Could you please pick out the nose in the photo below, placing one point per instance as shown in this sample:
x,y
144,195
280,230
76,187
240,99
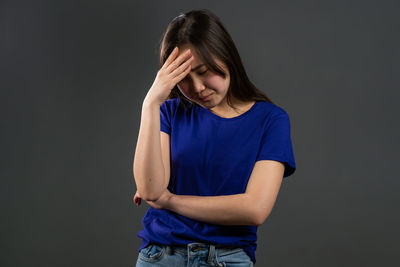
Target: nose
x,y
198,85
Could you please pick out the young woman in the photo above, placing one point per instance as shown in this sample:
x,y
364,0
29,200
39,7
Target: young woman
x,y
211,153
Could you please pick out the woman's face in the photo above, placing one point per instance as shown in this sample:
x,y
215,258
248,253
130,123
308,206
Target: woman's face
x,y
202,82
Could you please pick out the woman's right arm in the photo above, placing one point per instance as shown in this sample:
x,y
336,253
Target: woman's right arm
x,y
148,168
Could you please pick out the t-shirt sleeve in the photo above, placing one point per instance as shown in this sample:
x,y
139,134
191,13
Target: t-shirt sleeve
x,y
276,143
165,117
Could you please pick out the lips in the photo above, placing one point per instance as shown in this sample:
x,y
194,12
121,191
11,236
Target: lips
x,y
206,97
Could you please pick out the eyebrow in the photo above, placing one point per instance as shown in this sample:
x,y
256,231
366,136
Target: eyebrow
x,y
197,67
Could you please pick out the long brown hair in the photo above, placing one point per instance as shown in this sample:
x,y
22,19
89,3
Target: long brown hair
x,y
206,33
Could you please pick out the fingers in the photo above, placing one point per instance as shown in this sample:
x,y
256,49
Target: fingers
x,y
178,61
179,73
171,57
137,200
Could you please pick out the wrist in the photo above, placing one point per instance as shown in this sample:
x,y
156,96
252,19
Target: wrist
x,y
149,102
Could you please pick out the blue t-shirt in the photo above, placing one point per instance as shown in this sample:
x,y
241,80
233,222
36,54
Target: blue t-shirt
x,y
211,156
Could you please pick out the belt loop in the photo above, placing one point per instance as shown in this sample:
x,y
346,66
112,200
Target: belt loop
x,y
211,253
169,250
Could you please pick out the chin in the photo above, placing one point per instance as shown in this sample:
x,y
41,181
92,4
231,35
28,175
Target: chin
x,y
204,104
208,105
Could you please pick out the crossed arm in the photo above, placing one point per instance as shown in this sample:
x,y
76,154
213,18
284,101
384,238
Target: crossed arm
x,y
249,208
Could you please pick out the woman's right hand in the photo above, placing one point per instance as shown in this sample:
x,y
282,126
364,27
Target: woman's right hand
x,y
137,199
173,71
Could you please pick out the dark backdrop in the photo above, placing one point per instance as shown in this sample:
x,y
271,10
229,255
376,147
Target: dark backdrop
x,y
73,78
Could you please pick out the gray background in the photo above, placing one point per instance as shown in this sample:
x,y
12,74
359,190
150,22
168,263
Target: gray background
x,y
73,78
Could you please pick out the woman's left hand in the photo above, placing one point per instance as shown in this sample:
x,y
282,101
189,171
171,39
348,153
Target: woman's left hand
x,y
163,201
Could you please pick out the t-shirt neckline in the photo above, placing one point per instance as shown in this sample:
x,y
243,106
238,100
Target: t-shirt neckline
x,y
213,115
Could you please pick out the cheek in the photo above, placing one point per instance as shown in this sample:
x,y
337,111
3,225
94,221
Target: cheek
x,y
216,82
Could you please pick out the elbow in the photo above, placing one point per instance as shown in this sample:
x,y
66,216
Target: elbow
x,y
149,191
152,194
260,217
149,196
255,214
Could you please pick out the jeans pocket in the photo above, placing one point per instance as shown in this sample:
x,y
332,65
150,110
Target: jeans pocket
x,y
152,253
238,257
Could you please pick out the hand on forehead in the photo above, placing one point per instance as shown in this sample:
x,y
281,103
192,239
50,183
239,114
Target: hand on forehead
x,y
184,49
196,58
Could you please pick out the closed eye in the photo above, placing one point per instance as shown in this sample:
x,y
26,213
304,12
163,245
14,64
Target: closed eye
x,y
203,72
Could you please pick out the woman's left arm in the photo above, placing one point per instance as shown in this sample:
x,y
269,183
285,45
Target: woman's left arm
x,y
249,208
227,209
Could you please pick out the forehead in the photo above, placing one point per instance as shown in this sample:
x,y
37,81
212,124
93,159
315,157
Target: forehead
x,y
197,58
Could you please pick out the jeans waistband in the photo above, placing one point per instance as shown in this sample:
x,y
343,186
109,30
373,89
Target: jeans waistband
x,y
195,247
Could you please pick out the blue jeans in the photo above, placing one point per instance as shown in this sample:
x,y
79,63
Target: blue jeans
x,y
193,254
